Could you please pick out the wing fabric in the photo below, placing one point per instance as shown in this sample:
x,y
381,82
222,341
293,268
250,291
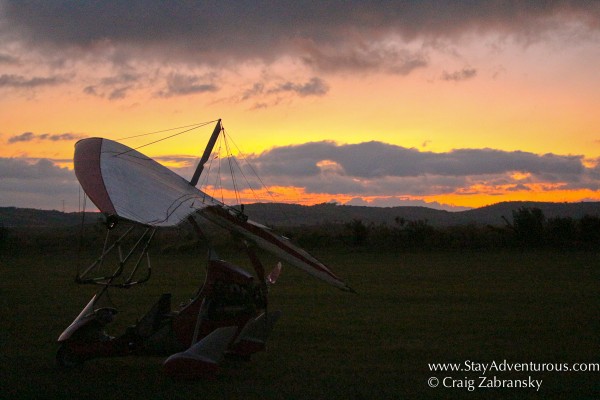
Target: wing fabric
x,y
126,183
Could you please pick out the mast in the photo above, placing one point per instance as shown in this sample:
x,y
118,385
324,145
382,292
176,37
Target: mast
x,y
207,151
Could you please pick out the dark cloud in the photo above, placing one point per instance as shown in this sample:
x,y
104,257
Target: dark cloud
x,y
256,89
39,169
314,87
376,169
91,90
56,137
272,94
19,81
23,137
118,93
110,93
331,35
37,184
364,57
183,85
259,106
113,87
489,161
406,66
462,75
60,137
122,78
377,160
8,59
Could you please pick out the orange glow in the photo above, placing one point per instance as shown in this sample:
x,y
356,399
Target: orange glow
x,y
477,196
479,199
277,194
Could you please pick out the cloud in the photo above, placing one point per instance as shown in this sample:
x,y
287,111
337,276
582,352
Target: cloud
x,y
118,93
329,36
462,75
359,57
19,81
377,159
384,175
182,85
91,90
8,59
376,168
39,169
257,89
268,94
314,87
23,137
37,184
113,87
121,78
30,136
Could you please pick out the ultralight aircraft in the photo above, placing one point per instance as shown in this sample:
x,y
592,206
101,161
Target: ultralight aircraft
x,y
228,315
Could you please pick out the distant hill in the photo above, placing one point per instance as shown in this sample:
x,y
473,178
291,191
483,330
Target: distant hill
x,y
279,214
492,215
11,217
297,215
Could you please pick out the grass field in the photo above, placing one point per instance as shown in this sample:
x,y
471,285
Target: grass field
x,y
410,310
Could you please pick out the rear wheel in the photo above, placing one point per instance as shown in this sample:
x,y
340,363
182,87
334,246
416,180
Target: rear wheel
x,y
66,358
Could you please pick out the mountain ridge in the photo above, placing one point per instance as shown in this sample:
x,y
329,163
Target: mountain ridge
x,y
283,214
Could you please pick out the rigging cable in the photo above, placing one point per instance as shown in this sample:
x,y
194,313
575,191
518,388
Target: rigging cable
x,y
229,157
243,157
160,140
218,182
198,125
244,175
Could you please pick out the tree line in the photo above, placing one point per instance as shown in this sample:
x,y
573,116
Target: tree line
x,y
527,228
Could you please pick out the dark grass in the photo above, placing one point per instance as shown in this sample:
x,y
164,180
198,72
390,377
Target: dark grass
x,y
410,310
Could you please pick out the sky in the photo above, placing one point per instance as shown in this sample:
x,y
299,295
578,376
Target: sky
x,y
444,104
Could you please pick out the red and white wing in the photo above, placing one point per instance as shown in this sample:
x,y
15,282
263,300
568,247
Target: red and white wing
x,y
124,182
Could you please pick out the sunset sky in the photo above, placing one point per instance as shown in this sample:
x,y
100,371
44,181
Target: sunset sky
x,y
435,103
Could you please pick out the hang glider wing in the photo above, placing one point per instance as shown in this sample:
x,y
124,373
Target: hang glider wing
x,y
123,182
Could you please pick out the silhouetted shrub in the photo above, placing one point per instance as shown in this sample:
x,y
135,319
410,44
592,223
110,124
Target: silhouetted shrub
x,y
528,225
358,232
589,230
561,232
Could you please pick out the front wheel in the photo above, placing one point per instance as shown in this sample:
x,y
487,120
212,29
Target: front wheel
x,y
66,358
